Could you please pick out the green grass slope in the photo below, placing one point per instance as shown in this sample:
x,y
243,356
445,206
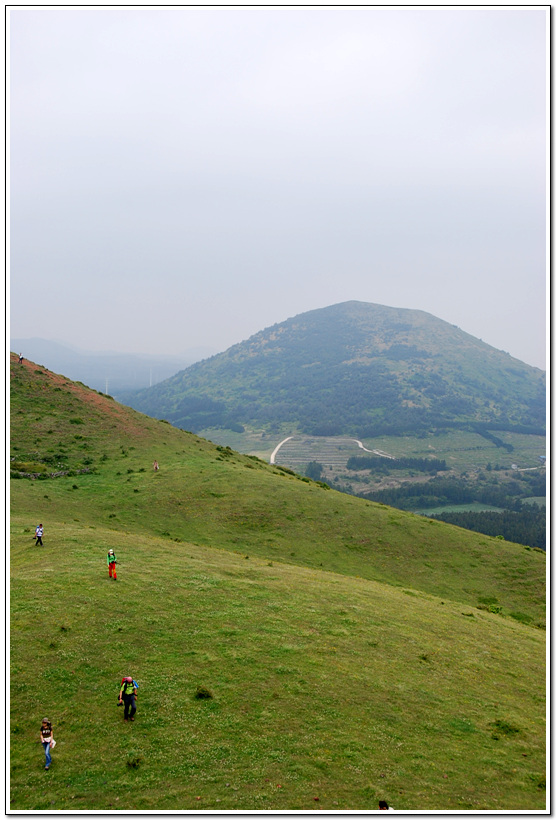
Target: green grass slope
x,y
329,692
348,646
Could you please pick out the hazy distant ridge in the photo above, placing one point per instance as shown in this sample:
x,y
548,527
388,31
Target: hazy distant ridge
x,y
109,372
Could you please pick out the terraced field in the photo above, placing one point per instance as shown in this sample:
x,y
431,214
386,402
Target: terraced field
x,y
462,451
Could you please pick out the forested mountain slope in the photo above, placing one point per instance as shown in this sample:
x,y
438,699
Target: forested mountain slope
x,y
354,369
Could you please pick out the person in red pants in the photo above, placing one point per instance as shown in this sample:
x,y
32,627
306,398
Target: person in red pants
x,y
111,561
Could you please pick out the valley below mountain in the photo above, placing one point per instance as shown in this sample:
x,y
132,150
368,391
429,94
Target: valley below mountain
x,y
431,403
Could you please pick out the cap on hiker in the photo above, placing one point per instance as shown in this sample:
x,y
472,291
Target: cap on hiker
x,y
129,679
111,551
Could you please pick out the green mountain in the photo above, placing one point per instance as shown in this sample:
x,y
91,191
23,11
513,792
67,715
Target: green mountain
x,y
354,369
347,651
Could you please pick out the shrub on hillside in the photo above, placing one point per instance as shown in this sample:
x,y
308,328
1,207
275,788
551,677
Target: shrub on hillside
x,y
314,470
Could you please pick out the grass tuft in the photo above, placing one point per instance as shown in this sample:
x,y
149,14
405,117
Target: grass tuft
x,y
202,693
504,728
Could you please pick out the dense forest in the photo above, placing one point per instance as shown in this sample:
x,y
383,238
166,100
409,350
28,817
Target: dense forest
x,y
517,521
442,491
357,400
528,526
378,464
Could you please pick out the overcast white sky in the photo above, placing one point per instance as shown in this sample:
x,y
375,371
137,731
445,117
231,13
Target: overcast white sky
x,y
189,176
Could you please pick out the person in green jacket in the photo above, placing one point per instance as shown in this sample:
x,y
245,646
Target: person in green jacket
x,y
111,561
128,693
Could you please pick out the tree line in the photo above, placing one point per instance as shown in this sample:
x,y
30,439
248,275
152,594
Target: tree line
x,y
516,521
376,463
442,491
528,526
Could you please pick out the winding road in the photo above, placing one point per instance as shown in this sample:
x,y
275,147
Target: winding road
x,y
359,444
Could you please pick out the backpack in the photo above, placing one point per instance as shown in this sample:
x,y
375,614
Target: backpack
x,y
136,685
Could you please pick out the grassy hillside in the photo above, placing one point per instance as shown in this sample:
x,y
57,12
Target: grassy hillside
x,y
324,686
349,647
211,495
354,369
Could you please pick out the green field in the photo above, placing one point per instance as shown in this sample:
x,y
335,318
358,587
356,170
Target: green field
x,y
353,651
474,506
540,500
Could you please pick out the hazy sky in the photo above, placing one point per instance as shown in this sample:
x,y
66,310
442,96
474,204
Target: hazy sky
x,y
189,176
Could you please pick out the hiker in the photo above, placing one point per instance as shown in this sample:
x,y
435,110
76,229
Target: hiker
x,y
111,561
155,466
383,806
38,535
21,358
47,740
128,692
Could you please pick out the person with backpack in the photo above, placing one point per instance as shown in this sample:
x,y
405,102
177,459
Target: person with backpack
x,y
128,693
38,535
47,740
111,561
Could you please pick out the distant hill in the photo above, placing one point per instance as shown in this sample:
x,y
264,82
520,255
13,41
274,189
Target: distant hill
x,y
109,372
354,369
